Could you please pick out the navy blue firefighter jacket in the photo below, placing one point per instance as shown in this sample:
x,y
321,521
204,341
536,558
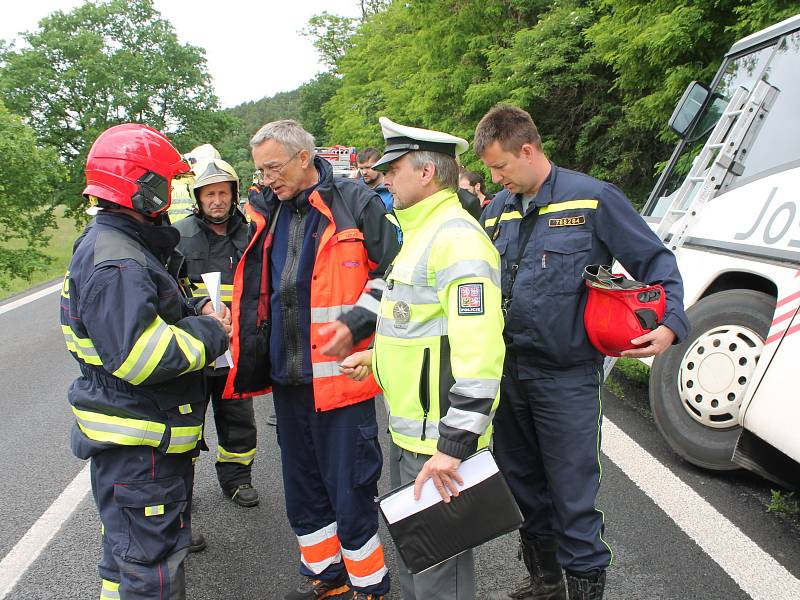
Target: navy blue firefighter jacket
x,y
138,341
577,220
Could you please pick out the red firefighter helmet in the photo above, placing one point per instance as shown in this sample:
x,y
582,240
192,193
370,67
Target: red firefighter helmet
x,y
619,309
132,165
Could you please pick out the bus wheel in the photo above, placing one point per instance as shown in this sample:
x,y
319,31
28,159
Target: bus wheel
x,y
697,387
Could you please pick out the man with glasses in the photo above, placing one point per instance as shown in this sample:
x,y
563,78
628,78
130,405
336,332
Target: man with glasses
x,y
307,293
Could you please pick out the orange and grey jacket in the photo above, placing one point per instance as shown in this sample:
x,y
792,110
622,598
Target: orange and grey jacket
x,y
353,245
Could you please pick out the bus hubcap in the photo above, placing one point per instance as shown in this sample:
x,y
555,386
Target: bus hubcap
x,y
715,373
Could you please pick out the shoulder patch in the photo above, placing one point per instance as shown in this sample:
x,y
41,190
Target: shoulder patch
x,y
470,299
114,245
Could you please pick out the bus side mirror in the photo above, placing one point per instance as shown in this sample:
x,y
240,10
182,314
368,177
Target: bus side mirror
x,y
688,109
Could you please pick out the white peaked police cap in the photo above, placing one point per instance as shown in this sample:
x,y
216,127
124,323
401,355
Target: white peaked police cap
x,y
402,139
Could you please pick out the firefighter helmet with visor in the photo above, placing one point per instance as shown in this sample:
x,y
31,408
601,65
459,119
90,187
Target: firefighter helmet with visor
x,y
132,166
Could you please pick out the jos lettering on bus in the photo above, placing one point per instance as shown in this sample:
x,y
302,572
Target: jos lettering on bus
x,y
776,222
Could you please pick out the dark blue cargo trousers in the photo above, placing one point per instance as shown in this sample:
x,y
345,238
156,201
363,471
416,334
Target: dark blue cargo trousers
x,y
547,445
144,499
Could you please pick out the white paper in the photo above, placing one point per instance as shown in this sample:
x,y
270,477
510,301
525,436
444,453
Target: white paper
x,y
212,281
401,504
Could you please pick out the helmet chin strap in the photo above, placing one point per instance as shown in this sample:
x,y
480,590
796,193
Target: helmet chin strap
x,y
213,221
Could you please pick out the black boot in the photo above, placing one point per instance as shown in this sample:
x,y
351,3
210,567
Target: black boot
x,y
545,580
243,495
586,586
198,543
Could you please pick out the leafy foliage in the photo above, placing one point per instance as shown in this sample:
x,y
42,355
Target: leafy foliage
x,y
600,77
331,35
313,95
103,64
244,120
28,178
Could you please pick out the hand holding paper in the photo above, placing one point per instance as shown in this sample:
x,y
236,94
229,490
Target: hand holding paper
x,y
212,281
443,471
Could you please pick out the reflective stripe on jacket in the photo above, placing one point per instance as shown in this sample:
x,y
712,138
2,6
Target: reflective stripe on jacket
x,y
575,220
439,344
139,344
354,246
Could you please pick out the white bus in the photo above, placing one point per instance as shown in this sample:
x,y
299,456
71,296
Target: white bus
x,y
728,203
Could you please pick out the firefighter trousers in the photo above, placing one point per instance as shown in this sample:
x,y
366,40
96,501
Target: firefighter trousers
x,y
547,445
331,463
236,435
144,499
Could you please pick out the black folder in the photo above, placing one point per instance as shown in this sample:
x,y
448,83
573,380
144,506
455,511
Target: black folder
x,y
430,531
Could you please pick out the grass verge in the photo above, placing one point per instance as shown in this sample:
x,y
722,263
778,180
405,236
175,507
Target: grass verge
x,y
633,370
59,249
784,502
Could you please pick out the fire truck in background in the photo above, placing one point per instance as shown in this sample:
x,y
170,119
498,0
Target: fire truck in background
x,y
343,159
727,204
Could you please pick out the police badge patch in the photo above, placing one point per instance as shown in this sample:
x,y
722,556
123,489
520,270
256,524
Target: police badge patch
x,y
402,314
470,299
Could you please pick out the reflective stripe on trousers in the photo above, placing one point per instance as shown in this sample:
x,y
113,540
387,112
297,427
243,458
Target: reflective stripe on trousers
x,y
366,566
320,549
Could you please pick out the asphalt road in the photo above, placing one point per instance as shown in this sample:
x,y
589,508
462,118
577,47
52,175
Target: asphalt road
x,y
252,553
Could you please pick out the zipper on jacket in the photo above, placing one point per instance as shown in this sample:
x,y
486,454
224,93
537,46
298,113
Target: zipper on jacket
x,y
424,388
290,301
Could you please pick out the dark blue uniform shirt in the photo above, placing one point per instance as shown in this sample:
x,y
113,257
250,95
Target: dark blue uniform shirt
x,y
576,220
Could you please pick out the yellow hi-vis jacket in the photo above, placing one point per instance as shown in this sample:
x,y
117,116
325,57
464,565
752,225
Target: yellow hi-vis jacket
x,y
439,343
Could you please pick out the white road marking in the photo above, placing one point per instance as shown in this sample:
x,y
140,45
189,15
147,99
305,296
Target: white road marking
x,y
755,571
16,562
30,298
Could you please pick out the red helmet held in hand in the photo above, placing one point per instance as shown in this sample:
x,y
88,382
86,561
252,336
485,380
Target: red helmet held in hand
x,y
619,309
132,165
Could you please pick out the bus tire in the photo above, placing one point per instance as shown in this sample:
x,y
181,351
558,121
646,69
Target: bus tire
x,y
740,320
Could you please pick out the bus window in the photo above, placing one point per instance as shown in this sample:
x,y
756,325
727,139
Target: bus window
x,y
777,145
742,71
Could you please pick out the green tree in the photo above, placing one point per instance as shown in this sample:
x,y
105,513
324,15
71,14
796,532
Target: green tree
x,y
102,64
245,119
425,63
313,95
600,77
655,49
330,35
28,179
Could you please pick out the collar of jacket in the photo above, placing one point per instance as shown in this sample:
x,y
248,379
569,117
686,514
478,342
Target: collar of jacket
x,y
161,240
267,201
545,194
415,216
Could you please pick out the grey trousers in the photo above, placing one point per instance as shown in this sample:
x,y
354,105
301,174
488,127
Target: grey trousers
x,y
451,580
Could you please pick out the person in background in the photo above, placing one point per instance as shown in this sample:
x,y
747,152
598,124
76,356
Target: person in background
x,y
474,183
373,179
213,239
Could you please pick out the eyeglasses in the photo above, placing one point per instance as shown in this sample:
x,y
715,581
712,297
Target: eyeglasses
x,y
272,173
